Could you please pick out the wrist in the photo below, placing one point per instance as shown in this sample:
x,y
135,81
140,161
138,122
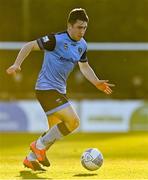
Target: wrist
x,y
97,83
16,65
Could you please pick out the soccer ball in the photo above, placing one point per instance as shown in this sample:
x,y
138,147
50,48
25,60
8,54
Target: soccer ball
x,y
92,159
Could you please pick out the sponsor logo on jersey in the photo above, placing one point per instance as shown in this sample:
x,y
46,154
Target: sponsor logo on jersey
x,y
66,59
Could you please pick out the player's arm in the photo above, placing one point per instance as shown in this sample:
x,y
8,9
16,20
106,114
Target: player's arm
x,y
24,52
88,72
47,42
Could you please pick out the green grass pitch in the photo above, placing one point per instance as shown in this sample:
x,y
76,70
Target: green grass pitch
x,y
125,156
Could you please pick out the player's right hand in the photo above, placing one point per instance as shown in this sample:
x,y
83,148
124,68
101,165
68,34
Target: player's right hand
x,y
13,69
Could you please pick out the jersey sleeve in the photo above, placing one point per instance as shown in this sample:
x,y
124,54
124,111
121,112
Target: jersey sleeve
x,y
47,42
84,57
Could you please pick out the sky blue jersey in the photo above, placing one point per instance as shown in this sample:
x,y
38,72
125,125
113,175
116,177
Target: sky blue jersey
x,y
61,54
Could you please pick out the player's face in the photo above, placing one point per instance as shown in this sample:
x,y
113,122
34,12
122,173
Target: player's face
x,y
77,30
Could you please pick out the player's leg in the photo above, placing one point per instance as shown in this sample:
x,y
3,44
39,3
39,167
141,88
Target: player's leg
x,y
53,102
69,122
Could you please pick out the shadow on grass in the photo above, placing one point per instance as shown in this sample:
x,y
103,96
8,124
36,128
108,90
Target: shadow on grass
x,y
31,175
84,175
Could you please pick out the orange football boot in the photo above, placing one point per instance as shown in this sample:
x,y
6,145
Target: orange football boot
x,y
34,165
40,154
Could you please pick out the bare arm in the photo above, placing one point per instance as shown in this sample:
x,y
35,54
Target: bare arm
x,y
24,52
88,72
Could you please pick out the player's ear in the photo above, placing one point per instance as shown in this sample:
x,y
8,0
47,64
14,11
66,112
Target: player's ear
x,y
69,26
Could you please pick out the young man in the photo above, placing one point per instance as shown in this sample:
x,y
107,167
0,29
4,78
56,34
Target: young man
x,y
62,51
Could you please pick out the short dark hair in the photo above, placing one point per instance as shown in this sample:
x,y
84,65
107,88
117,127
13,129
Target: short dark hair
x,y
77,14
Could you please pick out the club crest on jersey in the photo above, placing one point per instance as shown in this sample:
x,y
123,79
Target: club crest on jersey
x,y
65,46
45,39
79,50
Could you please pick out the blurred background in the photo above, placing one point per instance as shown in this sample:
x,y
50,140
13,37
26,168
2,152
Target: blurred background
x,y
110,22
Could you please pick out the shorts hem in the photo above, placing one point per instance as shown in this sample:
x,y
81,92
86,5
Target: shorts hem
x,y
58,108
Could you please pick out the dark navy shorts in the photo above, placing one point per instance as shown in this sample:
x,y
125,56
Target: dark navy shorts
x,y
51,100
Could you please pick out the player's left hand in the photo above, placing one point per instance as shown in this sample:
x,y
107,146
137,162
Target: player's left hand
x,y
104,86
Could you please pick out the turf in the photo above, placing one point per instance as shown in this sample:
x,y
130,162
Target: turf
x,y
125,156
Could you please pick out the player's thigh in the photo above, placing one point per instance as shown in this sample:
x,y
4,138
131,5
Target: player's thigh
x,y
69,116
53,120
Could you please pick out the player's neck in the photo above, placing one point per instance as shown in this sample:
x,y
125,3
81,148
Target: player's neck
x,y
71,36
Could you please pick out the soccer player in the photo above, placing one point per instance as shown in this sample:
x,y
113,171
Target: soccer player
x,y
62,51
